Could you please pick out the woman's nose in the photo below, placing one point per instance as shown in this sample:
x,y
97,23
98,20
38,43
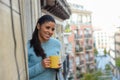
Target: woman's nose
x,y
51,31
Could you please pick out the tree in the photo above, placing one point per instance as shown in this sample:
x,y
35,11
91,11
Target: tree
x,y
117,62
109,52
92,76
67,28
88,76
95,51
107,67
105,52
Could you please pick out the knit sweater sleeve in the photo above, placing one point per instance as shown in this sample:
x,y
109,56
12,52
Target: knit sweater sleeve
x,y
35,68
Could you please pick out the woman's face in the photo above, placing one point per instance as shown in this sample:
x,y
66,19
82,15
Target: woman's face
x,y
45,31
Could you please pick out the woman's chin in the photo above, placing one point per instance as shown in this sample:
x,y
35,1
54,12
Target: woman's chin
x,y
47,39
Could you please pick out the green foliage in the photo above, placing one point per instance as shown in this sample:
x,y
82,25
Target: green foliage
x,y
96,75
117,62
67,28
109,52
92,76
88,76
105,52
95,51
107,67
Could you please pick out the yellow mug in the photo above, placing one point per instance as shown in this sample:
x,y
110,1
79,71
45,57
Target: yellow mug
x,y
55,60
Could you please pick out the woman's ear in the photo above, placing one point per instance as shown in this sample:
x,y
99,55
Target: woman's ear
x,y
38,26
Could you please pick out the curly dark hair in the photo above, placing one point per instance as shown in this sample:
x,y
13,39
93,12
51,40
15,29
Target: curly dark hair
x,y
35,40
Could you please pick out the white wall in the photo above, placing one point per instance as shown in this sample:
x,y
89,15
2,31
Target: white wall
x,y
13,64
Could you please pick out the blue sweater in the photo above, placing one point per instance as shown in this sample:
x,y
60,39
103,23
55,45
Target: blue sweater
x,y
36,70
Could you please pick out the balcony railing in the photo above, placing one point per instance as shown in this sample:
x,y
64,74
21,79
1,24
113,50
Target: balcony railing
x,y
88,47
81,62
88,36
78,49
77,36
59,8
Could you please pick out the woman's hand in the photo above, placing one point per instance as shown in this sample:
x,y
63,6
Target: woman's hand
x,y
46,62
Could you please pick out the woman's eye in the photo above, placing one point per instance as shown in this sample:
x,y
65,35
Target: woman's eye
x,y
53,29
48,27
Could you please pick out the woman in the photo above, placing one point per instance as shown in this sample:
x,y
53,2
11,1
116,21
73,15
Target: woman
x,y
40,47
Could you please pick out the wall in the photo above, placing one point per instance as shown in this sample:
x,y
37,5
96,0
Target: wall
x,y
12,41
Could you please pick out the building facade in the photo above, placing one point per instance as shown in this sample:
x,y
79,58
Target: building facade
x,y
102,39
81,39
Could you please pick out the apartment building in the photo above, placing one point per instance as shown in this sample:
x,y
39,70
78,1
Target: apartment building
x,y
81,39
117,44
102,39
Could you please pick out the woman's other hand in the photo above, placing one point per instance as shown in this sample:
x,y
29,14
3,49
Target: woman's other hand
x,y
46,62
60,65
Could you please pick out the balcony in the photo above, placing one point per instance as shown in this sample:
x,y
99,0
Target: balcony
x,y
59,8
88,47
87,35
81,64
78,49
90,60
77,36
83,70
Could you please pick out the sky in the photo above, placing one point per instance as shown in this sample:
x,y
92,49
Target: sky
x,y
105,13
